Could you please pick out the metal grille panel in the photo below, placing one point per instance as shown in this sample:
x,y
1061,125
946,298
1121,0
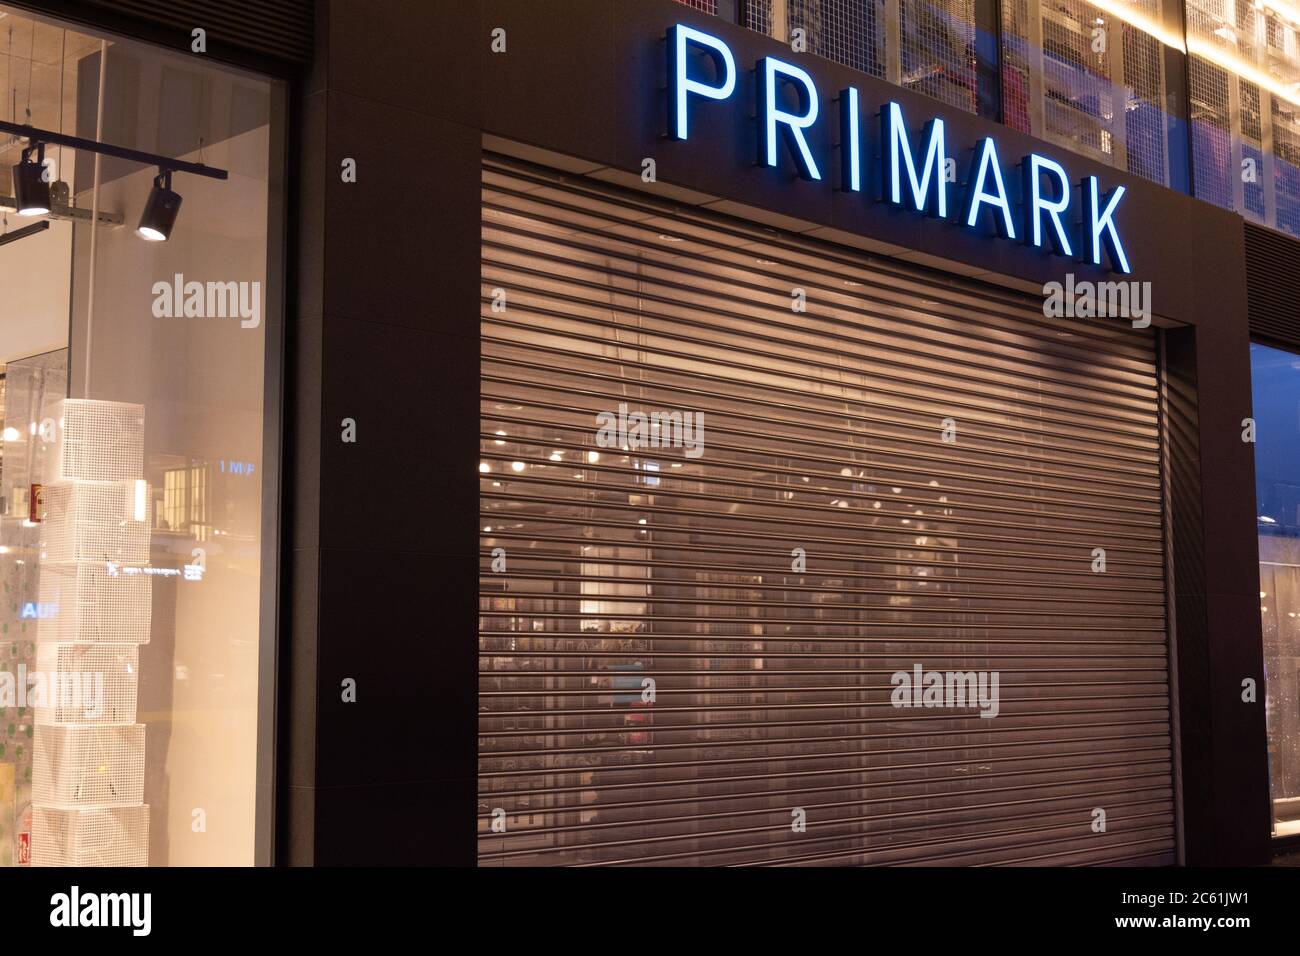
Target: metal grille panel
x,y
938,50
97,603
96,683
95,521
1211,132
78,767
1286,149
851,32
707,6
114,836
1081,76
1244,70
823,431
95,441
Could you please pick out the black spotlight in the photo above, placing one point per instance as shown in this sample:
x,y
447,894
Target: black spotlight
x,y
30,186
161,209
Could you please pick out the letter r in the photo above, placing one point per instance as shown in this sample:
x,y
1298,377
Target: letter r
x,y
1039,208
772,118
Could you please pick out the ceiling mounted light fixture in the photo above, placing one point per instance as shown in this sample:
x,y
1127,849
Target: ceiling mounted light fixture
x,y
31,189
160,210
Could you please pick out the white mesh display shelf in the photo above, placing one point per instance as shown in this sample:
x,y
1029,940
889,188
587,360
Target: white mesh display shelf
x,y
95,603
103,836
88,683
85,767
96,441
87,521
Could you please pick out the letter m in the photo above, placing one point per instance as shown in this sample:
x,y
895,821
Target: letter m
x,y
928,188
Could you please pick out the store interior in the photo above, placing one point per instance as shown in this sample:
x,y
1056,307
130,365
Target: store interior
x,y
131,467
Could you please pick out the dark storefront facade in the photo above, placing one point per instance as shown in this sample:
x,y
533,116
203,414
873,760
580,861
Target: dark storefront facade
x,y
882,454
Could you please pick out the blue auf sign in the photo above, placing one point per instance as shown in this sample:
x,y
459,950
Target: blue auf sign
x,y
913,166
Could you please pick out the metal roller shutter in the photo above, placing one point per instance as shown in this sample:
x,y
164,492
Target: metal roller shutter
x,y
823,431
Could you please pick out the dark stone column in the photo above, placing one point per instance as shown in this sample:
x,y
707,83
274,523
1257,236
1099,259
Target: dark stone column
x,y
383,531
1211,476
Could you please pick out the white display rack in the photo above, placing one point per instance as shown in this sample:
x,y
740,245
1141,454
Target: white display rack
x,y
78,767
95,441
102,836
95,522
96,594
97,683
94,603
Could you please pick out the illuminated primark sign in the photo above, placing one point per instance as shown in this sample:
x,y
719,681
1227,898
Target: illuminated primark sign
x,y
914,169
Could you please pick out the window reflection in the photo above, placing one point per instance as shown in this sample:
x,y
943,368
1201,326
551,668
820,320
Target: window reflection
x,y
1275,379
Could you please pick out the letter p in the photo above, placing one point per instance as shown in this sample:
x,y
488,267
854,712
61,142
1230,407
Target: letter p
x,y
680,84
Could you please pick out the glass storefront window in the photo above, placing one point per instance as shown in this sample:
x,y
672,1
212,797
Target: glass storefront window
x,y
1275,377
132,374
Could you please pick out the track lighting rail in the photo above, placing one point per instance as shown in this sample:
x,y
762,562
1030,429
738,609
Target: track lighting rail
x,y
24,232
52,138
59,211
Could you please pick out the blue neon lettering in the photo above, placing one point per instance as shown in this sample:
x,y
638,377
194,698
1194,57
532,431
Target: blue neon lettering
x,y
850,140
896,140
680,84
770,116
1046,196
1100,225
1036,206
977,195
